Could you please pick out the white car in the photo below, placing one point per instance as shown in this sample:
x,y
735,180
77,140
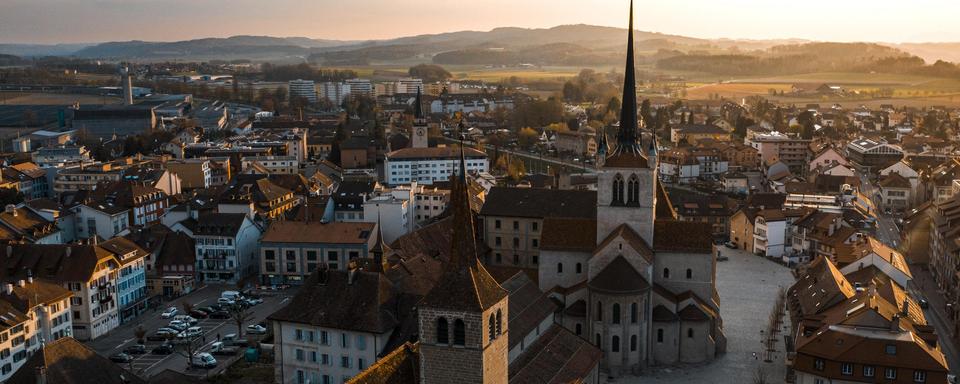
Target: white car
x,y
170,312
203,360
189,320
256,329
191,332
225,301
178,325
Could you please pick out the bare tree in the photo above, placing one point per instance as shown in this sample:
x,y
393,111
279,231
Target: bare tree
x,y
186,347
139,332
187,307
240,316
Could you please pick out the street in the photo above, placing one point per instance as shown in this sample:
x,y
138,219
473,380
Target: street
x,y
149,364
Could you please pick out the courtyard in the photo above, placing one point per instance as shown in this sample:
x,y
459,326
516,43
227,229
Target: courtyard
x,y
748,287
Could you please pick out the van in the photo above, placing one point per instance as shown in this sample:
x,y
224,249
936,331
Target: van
x,y
203,360
232,295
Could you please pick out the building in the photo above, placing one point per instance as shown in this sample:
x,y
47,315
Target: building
x,y
334,91
22,224
393,212
303,88
106,121
945,252
144,204
513,220
870,156
896,193
577,143
693,134
360,87
256,195
31,180
66,360
421,132
193,173
291,251
775,146
287,165
409,85
131,277
226,246
35,312
428,165
687,165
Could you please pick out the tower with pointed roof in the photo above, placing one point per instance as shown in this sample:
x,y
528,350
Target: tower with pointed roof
x,y
626,192
420,134
463,319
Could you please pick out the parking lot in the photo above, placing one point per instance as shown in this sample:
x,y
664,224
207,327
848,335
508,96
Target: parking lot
x,y
148,363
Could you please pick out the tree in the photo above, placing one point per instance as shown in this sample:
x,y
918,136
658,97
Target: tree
x,y
613,105
240,315
139,332
645,111
187,307
527,137
516,170
430,73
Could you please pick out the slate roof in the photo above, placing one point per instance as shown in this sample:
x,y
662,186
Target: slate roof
x,y
558,356
67,361
178,249
318,233
51,261
539,203
682,236
402,366
627,233
619,277
528,307
219,224
894,180
568,234
329,299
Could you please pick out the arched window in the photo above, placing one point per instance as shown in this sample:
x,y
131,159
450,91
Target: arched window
x,y
690,332
633,190
617,190
499,322
616,313
689,273
659,335
493,327
579,268
633,313
443,331
599,311
599,342
559,267
578,329
459,332
633,343
615,344
666,273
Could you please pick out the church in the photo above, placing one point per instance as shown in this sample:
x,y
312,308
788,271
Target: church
x,y
643,289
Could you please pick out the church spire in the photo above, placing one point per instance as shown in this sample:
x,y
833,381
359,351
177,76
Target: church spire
x,y
628,145
380,247
464,247
418,105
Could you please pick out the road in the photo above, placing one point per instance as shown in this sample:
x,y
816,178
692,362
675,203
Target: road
x,y
148,364
530,156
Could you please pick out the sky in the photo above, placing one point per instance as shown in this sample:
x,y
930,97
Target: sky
x,y
86,21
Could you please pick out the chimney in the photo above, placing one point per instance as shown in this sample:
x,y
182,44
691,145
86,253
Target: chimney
x,y
11,209
41,375
895,323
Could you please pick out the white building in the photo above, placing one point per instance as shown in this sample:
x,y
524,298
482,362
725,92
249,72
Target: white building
x,y
303,88
226,244
335,92
35,312
98,219
409,85
395,215
359,87
427,165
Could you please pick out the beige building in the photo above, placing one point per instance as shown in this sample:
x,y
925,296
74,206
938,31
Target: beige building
x,y
193,173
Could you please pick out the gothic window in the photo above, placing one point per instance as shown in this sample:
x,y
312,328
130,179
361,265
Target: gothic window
x,y
690,332
633,313
599,311
617,190
499,322
579,268
666,273
493,327
633,190
443,332
633,343
616,313
459,332
660,335
559,267
615,344
599,342
579,329
689,273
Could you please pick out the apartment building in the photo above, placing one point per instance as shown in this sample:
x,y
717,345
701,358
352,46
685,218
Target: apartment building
x,y
34,312
292,250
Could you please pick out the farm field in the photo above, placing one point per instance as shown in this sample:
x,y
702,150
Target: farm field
x,y
20,98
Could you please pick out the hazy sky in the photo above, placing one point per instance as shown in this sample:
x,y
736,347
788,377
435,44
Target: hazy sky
x,y
71,21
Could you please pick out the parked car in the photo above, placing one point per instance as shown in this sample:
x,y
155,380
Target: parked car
x,y
170,312
253,301
256,329
730,245
158,336
121,358
219,348
136,349
226,301
220,315
203,360
178,325
191,333
162,349
186,319
199,314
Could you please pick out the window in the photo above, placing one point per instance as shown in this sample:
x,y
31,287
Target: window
x,y
361,364
499,322
599,342
599,311
313,356
300,377
890,373
269,254
361,342
659,335
578,329
891,349
919,377
818,364
633,190
666,273
298,334
615,344
516,259
633,313
493,327
516,242
344,340
497,241
846,369
299,354
324,359
345,361
496,224
690,333
617,198
633,343
579,268
312,255
559,267
459,332
868,371
443,332
616,313
324,338
516,225
535,226
689,273
535,243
